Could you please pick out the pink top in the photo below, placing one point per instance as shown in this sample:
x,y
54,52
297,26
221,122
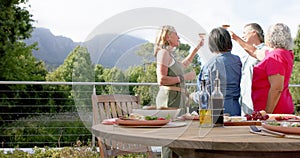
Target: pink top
x,y
278,61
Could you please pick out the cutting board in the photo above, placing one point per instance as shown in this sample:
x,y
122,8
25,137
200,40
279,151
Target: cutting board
x,y
243,123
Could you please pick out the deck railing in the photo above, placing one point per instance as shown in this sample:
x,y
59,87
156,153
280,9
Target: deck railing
x,y
19,126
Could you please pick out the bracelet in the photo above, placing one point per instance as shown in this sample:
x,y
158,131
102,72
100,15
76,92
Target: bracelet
x,y
181,78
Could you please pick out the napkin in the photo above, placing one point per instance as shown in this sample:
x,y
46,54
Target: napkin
x,y
109,121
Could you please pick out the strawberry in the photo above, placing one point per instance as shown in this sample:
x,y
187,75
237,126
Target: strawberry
x,y
248,116
278,118
265,117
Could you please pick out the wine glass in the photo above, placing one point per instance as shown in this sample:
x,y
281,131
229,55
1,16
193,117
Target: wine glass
x,y
202,35
226,26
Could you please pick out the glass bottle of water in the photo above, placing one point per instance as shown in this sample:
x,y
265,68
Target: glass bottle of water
x,y
217,99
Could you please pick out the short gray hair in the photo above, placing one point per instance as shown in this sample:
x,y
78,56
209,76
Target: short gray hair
x,y
219,40
257,28
279,36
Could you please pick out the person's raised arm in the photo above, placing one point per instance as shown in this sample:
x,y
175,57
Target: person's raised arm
x,y
186,62
250,49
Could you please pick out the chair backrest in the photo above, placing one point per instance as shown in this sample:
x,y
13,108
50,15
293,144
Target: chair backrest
x,y
113,106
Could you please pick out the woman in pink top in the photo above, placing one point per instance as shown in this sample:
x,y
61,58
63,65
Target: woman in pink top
x,y
271,76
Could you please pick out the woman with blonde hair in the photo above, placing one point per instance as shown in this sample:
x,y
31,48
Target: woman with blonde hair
x,y
170,72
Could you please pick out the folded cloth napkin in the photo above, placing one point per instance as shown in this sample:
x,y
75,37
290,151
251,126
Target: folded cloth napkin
x,y
109,121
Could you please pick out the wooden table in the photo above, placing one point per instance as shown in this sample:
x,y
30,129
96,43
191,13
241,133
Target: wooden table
x,y
192,141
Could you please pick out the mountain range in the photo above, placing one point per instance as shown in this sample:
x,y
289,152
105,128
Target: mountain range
x,y
108,50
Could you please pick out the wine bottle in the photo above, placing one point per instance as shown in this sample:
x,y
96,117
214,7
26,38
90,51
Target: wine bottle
x,y
217,103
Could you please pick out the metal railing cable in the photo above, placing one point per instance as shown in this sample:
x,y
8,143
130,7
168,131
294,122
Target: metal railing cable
x,y
44,114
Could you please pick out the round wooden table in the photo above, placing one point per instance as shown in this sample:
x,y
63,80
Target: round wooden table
x,y
193,141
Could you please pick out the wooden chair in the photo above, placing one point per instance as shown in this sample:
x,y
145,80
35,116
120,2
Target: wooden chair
x,y
114,106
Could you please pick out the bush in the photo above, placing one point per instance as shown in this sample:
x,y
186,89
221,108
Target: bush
x,y
66,152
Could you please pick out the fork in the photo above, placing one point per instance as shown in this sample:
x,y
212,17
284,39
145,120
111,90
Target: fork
x,y
265,132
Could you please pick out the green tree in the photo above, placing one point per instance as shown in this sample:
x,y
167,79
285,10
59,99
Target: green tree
x,y
99,69
146,51
184,47
296,48
76,67
15,24
17,62
83,71
295,78
114,75
182,52
143,74
147,93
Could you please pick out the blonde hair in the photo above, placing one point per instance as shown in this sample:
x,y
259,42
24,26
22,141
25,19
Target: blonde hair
x,y
161,42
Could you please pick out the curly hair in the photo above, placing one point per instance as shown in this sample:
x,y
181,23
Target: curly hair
x,y
279,36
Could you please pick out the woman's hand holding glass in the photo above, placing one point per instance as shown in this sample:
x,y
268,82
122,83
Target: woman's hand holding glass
x,y
201,41
190,75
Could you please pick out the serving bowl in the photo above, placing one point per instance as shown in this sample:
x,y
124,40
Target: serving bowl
x,y
173,113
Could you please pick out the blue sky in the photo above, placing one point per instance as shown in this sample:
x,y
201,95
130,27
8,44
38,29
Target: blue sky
x,y
77,18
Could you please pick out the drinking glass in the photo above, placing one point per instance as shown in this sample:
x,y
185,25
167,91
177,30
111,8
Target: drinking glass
x,y
226,26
